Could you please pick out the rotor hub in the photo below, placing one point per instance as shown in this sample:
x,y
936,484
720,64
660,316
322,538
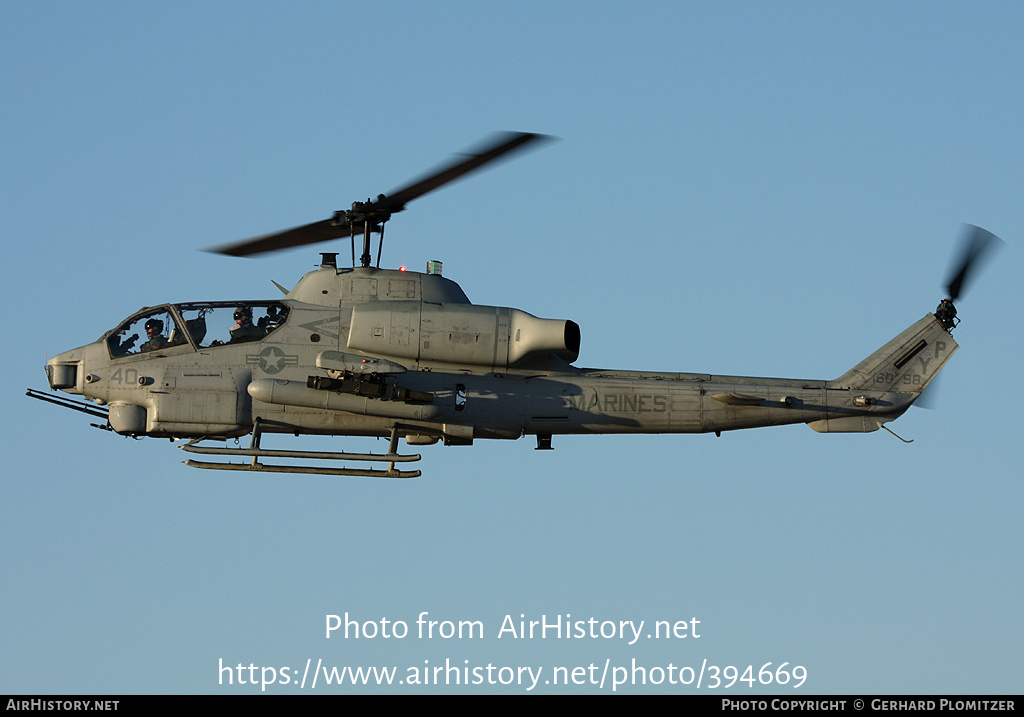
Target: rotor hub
x,y
363,214
946,314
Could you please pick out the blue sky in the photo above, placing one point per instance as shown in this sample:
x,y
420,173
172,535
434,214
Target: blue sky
x,y
740,188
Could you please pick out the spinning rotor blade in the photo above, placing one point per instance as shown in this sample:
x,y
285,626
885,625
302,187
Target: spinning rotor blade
x,y
377,212
976,243
500,144
323,230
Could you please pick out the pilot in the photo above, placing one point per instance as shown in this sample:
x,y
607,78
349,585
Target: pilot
x,y
244,329
274,318
155,334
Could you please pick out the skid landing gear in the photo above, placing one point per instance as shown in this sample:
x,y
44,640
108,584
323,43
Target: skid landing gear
x,y
391,458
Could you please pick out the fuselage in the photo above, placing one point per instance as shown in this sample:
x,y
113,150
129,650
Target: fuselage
x,y
486,372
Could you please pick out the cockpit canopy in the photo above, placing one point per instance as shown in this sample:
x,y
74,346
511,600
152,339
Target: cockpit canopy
x,y
199,325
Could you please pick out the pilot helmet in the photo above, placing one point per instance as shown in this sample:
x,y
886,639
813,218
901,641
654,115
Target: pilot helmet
x,y
155,325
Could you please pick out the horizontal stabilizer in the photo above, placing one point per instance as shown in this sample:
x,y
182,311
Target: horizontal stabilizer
x,y
847,424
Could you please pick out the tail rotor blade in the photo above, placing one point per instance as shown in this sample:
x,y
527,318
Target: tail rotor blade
x,y
977,244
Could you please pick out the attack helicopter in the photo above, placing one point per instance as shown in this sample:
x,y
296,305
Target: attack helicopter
x,y
396,354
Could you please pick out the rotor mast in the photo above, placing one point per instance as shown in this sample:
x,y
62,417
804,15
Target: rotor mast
x,y
371,217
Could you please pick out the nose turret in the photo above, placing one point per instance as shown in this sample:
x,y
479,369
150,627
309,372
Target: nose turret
x,y
65,371
70,371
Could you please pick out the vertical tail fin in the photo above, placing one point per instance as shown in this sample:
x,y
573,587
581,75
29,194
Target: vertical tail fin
x,y
907,364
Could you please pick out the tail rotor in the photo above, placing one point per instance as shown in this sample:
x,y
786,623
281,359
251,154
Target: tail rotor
x,y
977,245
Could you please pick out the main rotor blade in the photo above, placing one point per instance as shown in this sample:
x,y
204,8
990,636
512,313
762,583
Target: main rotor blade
x,y
500,144
378,211
976,242
323,230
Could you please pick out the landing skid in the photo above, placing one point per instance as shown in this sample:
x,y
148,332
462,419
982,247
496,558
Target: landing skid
x,y
254,450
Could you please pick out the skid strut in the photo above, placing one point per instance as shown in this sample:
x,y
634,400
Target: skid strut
x,y
391,458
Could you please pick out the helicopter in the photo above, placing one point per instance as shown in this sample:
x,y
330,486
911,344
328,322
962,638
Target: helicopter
x,y
398,354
